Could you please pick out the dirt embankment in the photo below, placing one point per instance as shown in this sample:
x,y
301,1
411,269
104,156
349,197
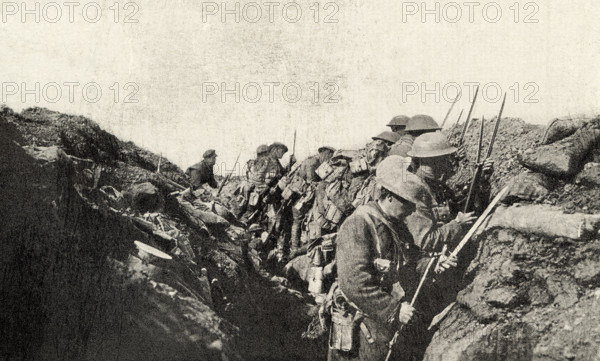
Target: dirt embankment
x,y
527,296
75,198
75,287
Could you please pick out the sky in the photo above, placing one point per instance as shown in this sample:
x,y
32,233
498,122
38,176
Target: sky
x,y
180,76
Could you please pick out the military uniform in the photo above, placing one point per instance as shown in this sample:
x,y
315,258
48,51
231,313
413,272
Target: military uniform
x,y
304,182
364,239
403,145
433,225
201,173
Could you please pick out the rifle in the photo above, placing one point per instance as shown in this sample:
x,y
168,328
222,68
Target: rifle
x,y
479,167
449,110
456,123
464,131
412,302
293,156
229,175
454,253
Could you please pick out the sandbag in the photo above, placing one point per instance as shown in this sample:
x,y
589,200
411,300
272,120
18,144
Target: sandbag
x,y
544,220
590,175
563,158
528,186
562,128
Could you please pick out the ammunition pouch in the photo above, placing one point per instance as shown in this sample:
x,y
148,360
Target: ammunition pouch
x,y
283,183
304,202
254,198
287,194
324,170
315,280
342,334
296,186
328,245
332,213
346,322
358,166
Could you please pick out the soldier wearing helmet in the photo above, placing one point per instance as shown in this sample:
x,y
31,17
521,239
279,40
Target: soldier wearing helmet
x,y
439,223
398,124
354,184
415,126
303,184
378,266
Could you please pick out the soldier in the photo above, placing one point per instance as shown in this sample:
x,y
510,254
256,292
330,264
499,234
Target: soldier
x,y
441,223
335,197
246,186
265,178
303,185
377,269
202,172
264,175
398,124
417,125
261,151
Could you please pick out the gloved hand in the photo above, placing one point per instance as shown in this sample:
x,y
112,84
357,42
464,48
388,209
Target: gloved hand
x,y
488,167
406,312
461,152
292,160
465,219
445,261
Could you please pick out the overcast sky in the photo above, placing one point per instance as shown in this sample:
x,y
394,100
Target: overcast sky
x,y
176,65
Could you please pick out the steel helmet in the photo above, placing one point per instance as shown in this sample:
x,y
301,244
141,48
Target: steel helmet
x,y
326,148
421,122
278,145
400,120
392,175
387,136
263,148
431,145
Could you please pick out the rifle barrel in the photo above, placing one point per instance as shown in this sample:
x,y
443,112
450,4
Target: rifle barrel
x,y
229,175
489,152
462,137
449,110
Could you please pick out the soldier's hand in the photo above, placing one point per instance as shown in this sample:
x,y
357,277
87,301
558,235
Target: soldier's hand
x,y
292,159
461,152
488,166
465,219
445,262
405,313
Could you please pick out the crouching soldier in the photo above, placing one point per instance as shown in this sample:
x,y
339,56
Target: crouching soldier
x,y
377,269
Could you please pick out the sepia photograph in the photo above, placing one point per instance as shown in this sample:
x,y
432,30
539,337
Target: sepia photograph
x,y
336,180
